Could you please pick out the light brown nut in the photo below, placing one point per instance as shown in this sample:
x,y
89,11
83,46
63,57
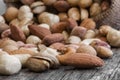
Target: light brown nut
x,y
48,18
88,24
85,3
63,16
39,31
11,13
55,46
61,6
87,49
27,2
95,9
79,31
90,34
6,33
2,19
74,13
53,38
81,60
73,40
84,13
49,2
38,7
17,34
37,65
59,27
73,2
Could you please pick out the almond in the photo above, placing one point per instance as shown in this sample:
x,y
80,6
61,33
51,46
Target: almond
x,y
81,60
17,34
39,31
53,38
59,27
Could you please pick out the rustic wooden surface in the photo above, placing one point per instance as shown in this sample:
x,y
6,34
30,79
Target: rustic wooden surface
x,y
111,71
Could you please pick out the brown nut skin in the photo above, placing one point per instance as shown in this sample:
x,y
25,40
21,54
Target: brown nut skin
x,y
37,65
63,16
27,2
85,3
55,46
61,6
88,24
79,31
17,34
53,38
73,2
39,31
59,27
80,60
71,24
83,48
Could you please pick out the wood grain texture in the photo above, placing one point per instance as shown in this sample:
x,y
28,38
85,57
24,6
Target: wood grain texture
x,y
111,71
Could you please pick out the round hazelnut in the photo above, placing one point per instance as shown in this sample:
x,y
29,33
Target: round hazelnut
x,y
85,3
74,13
11,13
63,16
73,2
84,13
95,9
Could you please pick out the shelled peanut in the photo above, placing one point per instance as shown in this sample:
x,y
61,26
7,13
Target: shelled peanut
x,y
45,34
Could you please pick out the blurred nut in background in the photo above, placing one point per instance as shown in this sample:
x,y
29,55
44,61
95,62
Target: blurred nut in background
x,y
85,3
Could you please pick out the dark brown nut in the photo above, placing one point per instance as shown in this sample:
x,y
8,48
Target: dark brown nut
x,y
38,7
53,38
61,6
55,46
39,31
71,24
88,24
27,2
105,5
17,34
79,31
59,27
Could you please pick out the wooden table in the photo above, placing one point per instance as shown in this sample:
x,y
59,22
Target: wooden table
x,y
110,71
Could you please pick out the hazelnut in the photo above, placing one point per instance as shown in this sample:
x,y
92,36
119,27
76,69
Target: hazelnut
x,y
90,34
79,31
48,18
27,2
49,2
61,6
63,16
73,2
95,9
84,13
38,7
88,24
11,13
74,13
85,3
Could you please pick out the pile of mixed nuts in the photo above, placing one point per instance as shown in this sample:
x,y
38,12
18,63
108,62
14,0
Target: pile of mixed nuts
x,y
44,34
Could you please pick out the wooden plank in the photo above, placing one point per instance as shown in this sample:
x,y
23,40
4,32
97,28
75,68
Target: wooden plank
x,y
111,71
